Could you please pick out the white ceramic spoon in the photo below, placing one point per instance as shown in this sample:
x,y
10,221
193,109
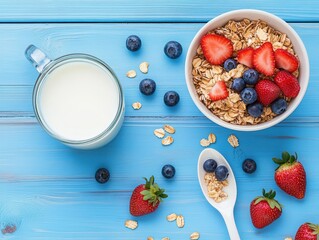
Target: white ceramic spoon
x,y
226,207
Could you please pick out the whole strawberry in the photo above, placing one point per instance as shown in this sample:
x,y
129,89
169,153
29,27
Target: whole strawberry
x,y
146,198
265,209
307,231
290,176
267,91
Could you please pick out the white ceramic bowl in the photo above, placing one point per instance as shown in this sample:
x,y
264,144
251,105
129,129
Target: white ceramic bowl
x,y
274,22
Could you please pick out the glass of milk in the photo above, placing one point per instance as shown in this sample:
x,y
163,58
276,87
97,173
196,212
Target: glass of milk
x,y
77,99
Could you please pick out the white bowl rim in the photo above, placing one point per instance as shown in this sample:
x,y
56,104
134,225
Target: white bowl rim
x,y
292,106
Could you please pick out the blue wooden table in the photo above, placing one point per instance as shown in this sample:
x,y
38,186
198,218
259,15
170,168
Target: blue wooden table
x,y
48,190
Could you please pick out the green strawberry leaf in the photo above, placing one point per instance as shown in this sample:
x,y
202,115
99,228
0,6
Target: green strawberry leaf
x,y
285,156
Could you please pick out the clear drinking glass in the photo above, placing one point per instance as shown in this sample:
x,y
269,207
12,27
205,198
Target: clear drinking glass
x,y
77,99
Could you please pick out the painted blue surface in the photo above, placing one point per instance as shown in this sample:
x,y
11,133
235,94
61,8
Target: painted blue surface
x,y
48,190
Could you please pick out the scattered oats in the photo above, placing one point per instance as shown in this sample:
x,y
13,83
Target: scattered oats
x,y
180,221
212,138
167,141
160,133
169,129
204,142
233,141
150,238
131,74
131,224
144,67
165,238
215,187
136,105
194,236
172,217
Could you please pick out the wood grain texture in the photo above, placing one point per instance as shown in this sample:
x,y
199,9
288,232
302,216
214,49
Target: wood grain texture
x,y
107,41
146,11
50,192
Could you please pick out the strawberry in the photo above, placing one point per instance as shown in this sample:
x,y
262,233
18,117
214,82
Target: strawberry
x,y
286,60
265,209
288,83
245,56
146,198
216,48
307,231
290,176
219,91
264,59
267,91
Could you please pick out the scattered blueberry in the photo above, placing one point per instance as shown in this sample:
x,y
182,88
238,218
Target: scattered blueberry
x,y
279,106
255,109
238,84
168,171
249,166
133,43
147,86
230,64
102,175
171,98
248,95
173,49
251,76
210,165
221,173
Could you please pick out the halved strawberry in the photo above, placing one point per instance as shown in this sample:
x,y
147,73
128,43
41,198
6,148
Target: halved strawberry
x,y
245,56
216,48
219,91
264,59
286,60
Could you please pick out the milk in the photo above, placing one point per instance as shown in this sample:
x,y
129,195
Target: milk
x,y
78,100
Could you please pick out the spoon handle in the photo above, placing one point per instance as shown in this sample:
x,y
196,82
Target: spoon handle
x,y
231,225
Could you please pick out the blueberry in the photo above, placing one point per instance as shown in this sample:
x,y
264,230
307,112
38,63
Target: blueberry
x,y
251,76
173,49
133,43
255,109
171,98
249,166
230,64
279,106
248,95
238,84
102,175
210,165
147,86
221,173
168,171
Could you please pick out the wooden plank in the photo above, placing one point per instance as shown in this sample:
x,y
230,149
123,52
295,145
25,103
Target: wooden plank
x,y
107,41
50,192
146,11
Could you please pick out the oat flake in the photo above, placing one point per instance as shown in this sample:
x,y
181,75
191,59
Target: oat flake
x,y
131,74
144,67
169,129
194,236
131,224
136,105
167,141
212,138
160,133
180,221
172,217
233,141
204,142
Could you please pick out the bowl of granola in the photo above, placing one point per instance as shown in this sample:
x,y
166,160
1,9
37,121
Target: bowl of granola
x,y
247,70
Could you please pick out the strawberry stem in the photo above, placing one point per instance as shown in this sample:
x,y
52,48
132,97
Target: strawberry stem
x,y
286,158
270,198
315,229
153,193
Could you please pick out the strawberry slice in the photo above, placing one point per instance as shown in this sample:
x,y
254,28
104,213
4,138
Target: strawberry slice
x,y
216,48
264,59
286,60
219,91
288,83
245,56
